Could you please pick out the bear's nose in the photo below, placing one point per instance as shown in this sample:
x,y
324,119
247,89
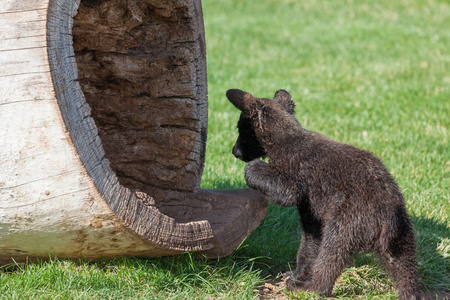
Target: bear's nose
x,y
237,152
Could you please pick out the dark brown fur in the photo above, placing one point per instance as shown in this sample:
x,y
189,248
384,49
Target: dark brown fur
x,y
347,200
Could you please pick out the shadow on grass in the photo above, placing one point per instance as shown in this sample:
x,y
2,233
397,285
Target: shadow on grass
x,y
433,254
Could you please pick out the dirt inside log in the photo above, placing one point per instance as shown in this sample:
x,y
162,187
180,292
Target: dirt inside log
x,y
141,66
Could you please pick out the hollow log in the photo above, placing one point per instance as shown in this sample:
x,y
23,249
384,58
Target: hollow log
x,y
103,117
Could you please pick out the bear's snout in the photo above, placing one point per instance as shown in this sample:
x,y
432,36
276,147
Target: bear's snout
x,y
237,152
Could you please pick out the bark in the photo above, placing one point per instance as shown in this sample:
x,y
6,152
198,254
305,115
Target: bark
x,y
103,129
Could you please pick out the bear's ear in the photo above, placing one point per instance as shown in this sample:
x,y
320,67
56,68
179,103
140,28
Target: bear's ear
x,y
242,100
283,97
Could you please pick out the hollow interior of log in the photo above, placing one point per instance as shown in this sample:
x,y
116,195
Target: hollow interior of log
x,y
141,66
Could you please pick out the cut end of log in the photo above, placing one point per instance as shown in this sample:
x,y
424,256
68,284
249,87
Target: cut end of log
x,y
105,113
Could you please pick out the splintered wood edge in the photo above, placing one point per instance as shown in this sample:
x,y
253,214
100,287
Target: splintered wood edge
x,y
136,211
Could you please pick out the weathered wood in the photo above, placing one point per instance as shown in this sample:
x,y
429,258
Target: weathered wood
x,y
142,71
76,176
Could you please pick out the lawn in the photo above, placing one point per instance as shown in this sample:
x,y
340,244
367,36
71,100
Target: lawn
x,y
374,74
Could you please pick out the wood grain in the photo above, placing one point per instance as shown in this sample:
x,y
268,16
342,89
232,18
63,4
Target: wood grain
x,y
103,132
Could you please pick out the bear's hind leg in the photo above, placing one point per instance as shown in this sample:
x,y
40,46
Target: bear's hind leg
x,y
397,249
401,265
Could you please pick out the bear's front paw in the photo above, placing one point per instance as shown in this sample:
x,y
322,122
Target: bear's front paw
x,y
254,173
255,167
292,284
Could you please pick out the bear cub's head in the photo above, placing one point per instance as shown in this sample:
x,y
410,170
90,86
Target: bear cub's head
x,y
260,120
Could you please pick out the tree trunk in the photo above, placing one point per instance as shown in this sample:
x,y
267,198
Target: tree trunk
x,y
103,127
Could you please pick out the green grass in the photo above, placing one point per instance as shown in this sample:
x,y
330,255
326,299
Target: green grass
x,y
372,74
375,74
180,277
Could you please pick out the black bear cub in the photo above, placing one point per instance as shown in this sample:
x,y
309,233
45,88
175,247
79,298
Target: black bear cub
x,y
347,200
